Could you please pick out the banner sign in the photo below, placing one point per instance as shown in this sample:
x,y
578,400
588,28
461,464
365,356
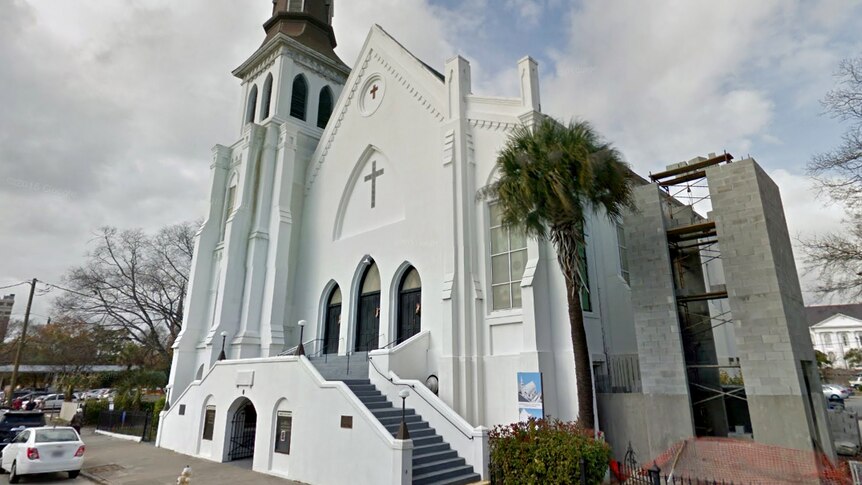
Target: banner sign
x,y
531,402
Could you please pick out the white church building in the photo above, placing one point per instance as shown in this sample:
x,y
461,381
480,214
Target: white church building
x,y
345,216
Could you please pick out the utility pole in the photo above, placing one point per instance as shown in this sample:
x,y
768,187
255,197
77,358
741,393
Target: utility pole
x,y
21,344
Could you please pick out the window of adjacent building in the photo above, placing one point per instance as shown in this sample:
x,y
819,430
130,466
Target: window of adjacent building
x,y
251,106
324,107
624,254
209,423
845,338
508,260
299,97
827,338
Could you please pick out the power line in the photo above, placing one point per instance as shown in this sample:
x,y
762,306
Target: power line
x,y
16,284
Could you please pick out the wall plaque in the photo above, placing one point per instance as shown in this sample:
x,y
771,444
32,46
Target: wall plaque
x,y
347,422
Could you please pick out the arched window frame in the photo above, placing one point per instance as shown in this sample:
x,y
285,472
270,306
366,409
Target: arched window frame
x,y
325,104
299,98
251,105
266,100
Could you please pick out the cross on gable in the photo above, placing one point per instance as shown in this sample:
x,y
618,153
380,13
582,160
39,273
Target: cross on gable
x,y
372,177
373,91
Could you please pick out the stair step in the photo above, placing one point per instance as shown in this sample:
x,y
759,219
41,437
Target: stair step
x,y
416,434
465,479
411,425
375,405
362,387
361,394
427,449
427,440
437,476
368,399
396,420
354,382
436,456
440,465
388,413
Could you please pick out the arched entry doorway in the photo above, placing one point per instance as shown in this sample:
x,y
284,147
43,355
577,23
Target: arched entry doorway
x,y
409,305
242,430
332,322
368,310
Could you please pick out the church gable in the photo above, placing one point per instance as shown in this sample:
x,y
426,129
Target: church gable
x,y
385,74
367,202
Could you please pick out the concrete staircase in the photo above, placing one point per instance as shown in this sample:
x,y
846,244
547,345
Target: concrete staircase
x,y
337,367
434,461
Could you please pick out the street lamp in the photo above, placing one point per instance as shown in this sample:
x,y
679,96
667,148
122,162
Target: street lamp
x,y
300,350
403,434
221,356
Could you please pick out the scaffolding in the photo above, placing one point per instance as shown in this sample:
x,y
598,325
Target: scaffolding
x,y
718,399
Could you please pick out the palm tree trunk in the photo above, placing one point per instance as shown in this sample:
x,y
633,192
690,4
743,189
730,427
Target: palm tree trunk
x,y
566,241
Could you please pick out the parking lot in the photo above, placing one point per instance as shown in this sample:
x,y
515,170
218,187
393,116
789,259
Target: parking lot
x,y
48,478
854,403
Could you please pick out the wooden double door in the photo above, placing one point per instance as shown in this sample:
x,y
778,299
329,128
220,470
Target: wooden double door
x,y
368,322
409,314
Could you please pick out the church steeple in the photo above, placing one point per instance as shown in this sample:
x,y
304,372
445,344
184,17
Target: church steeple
x,y
307,21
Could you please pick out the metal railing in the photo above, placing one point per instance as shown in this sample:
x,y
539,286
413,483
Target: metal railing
x,y
411,386
132,423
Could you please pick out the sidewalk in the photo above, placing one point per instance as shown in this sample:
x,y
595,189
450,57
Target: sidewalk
x,y
114,461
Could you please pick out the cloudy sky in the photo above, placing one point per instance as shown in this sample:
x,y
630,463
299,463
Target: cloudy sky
x,y
108,109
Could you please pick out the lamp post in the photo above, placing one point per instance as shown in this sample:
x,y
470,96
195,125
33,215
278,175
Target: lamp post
x,y
300,350
403,434
221,355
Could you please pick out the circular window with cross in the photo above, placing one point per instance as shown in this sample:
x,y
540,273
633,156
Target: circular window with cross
x,y
372,95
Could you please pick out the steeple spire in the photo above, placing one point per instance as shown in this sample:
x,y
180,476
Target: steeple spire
x,y
307,21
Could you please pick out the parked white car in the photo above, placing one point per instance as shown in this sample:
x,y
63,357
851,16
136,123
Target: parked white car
x,y
43,450
834,391
856,381
51,402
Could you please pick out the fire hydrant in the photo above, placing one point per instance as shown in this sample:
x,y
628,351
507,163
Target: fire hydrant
x,y
185,477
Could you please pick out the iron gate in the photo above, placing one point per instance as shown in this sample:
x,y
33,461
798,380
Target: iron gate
x,y
243,428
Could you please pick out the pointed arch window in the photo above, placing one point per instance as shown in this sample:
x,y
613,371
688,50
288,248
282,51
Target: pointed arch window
x,y
409,305
324,107
299,97
368,309
267,98
251,106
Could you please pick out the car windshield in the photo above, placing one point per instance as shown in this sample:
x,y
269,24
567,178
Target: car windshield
x,y
55,435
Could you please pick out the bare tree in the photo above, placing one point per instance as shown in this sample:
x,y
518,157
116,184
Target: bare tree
x,y
134,282
837,257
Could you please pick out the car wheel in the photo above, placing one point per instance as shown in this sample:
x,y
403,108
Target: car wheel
x,y
13,474
835,397
74,474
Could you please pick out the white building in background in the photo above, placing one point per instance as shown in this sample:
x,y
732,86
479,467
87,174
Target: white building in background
x,y
835,329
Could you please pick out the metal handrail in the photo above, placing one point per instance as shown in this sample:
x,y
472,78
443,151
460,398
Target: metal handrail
x,y
292,350
320,353
411,386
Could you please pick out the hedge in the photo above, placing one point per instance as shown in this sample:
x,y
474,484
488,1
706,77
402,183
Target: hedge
x,y
546,451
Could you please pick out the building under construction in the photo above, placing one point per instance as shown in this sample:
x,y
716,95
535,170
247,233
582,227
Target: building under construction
x,y
722,343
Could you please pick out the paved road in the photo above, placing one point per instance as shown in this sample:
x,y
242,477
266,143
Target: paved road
x,y
854,403
49,478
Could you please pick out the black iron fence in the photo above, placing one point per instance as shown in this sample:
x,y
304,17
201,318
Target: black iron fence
x,y
132,423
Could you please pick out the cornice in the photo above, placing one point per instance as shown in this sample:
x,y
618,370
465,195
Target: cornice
x,y
282,44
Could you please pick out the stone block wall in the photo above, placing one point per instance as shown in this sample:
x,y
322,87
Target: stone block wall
x,y
766,303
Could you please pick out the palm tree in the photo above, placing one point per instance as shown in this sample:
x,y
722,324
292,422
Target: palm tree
x,y
550,178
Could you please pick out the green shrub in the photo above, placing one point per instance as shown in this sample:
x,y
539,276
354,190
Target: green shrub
x,y
158,406
92,408
546,451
